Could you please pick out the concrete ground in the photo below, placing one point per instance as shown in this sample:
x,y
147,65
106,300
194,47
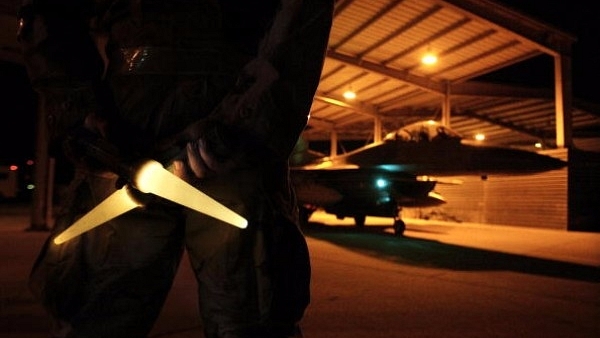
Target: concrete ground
x,y
439,280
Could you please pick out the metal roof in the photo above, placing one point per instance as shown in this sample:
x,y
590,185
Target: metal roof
x,y
375,49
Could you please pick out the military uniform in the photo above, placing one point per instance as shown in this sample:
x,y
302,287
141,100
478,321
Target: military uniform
x,y
218,91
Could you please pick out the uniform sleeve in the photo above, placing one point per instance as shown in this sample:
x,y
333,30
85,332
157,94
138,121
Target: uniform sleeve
x,y
269,107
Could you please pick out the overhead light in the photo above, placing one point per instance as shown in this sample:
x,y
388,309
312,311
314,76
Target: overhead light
x,y
538,145
349,94
479,137
429,58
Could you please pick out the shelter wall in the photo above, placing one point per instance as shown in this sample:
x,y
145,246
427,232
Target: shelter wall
x,y
559,199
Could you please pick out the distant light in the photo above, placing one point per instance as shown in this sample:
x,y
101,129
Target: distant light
x,y
385,199
349,95
429,59
479,137
381,183
393,167
29,162
13,167
538,145
30,187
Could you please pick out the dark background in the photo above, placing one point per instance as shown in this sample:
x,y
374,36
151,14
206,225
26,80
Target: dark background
x,y
17,129
576,18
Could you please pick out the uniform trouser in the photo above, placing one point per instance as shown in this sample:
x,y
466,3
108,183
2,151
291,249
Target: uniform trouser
x,y
112,281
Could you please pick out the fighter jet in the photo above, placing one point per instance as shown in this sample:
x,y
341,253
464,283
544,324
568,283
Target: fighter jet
x,y
402,170
362,192
430,148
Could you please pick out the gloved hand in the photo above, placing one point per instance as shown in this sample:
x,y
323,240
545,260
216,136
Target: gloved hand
x,y
219,149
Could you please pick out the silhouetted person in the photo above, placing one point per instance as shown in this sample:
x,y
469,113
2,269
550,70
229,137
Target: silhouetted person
x,y
218,91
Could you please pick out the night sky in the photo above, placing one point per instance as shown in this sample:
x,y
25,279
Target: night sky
x,y
17,131
17,109
576,18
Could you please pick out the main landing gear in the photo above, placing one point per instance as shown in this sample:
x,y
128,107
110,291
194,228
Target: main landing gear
x,y
399,226
359,220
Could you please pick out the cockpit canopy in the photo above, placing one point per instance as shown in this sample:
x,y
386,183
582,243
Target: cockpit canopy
x,y
423,132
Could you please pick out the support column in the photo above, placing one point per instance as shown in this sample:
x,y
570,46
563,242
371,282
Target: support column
x,y
563,93
333,144
40,175
446,106
377,130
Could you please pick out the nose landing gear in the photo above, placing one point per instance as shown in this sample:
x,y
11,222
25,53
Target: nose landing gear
x,y
399,227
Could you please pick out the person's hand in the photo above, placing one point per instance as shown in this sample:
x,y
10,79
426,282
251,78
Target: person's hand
x,y
204,161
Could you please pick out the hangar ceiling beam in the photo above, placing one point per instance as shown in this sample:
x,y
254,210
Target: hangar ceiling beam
x,y
359,107
500,90
477,57
421,82
499,66
382,11
427,42
533,132
321,124
548,39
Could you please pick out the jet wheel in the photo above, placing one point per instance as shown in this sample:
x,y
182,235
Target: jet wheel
x,y
399,227
359,220
304,215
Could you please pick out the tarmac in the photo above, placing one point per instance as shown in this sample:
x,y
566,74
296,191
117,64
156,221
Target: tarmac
x,y
22,317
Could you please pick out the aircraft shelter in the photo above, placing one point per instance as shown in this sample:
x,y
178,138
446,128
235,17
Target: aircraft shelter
x,y
375,50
